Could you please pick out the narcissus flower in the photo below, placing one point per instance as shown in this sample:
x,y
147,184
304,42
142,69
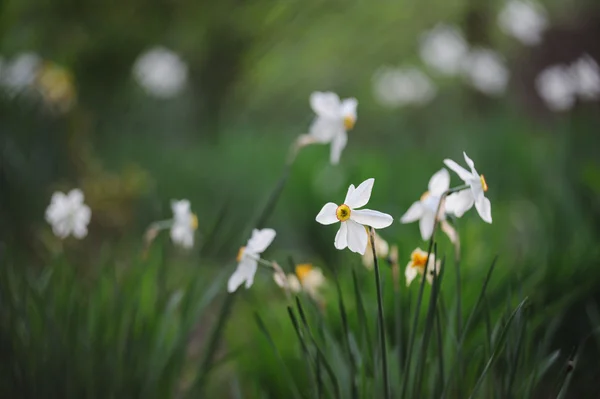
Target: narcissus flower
x,y
425,209
460,202
248,258
334,119
419,264
352,232
68,214
381,248
311,278
184,224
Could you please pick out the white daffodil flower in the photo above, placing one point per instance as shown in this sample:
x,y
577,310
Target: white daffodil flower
x,y
68,214
161,72
460,202
397,87
586,75
524,20
248,258
425,209
288,282
556,87
184,223
311,279
352,232
484,69
443,49
334,119
416,266
382,249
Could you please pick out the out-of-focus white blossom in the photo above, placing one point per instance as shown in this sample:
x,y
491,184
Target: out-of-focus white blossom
x,y
524,20
20,73
484,69
443,49
68,214
419,264
586,76
382,249
397,87
184,224
556,87
161,72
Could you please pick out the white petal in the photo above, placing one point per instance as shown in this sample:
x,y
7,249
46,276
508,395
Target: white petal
x,y
459,203
414,213
450,231
439,182
327,214
471,164
84,214
484,208
324,130
357,237
361,195
459,170
341,238
426,225
348,107
349,193
80,230
368,217
260,240
182,235
180,208
337,146
58,198
75,196
244,272
410,273
61,229
325,104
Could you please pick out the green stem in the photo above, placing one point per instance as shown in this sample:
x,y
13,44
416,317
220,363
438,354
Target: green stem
x,y
380,318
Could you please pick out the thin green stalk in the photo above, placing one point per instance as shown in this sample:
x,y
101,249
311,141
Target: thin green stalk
x,y
380,317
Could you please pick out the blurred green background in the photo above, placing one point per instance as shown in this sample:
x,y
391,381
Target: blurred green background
x,y
77,114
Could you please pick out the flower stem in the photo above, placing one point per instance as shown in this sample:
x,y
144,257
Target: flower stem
x,y
380,318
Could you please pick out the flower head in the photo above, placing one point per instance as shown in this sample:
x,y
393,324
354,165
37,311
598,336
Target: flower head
x,y
352,233
485,71
443,49
68,214
397,87
161,72
288,282
311,278
184,223
460,202
334,119
524,20
419,264
425,209
382,249
586,74
248,258
556,87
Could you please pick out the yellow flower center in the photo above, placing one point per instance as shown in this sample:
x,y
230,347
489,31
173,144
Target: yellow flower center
x,y
303,270
419,259
342,212
240,254
349,122
483,183
425,195
194,221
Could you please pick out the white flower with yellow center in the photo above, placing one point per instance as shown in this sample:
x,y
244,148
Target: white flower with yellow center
x,y
68,214
248,258
382,249
184,223
307,278
288,282
460,202
425,209
417,266
334,119
352,233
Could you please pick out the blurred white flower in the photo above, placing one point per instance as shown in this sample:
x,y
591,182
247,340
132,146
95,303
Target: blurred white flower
x,y
416,266
334,119
248,258
311,279
382,249
425,209
68,214
20,73
556,87
396,87
460,202
184,223
161,72
352,232
443,49
586,76
56,86
288,282
524,20
484,69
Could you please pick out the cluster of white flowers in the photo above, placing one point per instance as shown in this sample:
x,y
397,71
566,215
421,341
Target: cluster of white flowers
x,y
560,85
398,87
161,72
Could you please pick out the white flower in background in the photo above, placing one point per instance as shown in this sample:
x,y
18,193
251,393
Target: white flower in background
x,y
161,72
460,202
396,87
334,119
184,223
586,75
443,49
382,249
484,69
556,87
56,86
248,258
20,73
288,282
416,266
352,232
311,279
524,20
425,209
68,214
